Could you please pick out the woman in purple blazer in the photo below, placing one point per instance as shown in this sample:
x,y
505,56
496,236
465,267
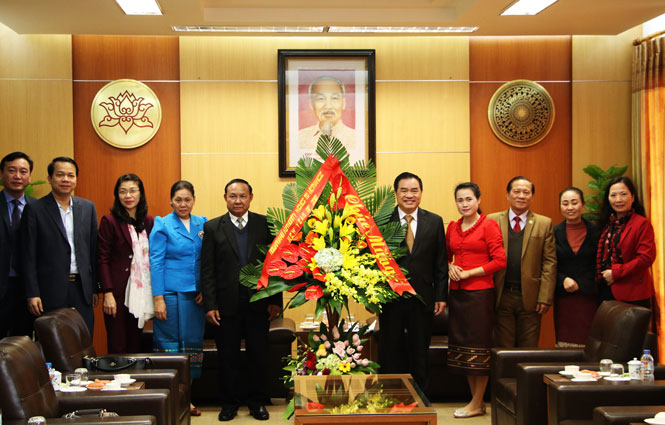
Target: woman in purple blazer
x,y
123,257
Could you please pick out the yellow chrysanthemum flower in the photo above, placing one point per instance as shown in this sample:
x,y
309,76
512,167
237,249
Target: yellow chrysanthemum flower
x,y
344,367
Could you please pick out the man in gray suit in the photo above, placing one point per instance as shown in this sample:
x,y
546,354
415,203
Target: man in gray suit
x,y
16,168
59,243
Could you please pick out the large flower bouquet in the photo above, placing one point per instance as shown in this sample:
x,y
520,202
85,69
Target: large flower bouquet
x,y
346,246
334,241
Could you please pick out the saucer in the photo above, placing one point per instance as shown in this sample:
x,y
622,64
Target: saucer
x,y
72,389
127,382
654,421
604,373
620,379
585,379
564,373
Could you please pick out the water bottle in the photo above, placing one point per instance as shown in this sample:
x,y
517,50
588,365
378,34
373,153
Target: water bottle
x,y
647,366
50,370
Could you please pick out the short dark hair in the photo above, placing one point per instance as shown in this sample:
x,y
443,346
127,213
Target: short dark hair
x,y
182,184
607,210
514,179
573,189
469,185
404,176
14,156
120,213
51,165
238,181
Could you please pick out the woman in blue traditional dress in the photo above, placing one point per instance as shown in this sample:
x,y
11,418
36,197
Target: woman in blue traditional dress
x,y
175,256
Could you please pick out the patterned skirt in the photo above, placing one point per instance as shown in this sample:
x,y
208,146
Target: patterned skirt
x,y
182,331
470,325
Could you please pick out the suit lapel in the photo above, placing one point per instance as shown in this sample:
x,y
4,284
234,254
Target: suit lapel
x,y
54,212
527,232
124,229
180,227
503,224
227,228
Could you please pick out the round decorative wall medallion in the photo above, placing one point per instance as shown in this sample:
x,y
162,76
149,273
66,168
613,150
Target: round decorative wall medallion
x,y
126,114
521,113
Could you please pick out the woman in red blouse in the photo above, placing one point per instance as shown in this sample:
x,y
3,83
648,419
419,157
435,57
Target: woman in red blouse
x,y
626,248
475,252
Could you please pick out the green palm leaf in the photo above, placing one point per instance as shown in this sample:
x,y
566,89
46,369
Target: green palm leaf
x,y
290,195
381,205
332,146
393,233
363,178
305,171
276,218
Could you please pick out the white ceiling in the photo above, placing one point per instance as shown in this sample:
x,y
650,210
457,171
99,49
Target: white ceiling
x,y
602,17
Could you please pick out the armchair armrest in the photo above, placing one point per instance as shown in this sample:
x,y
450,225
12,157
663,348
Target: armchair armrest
x,y
157,403
531,405
504,360
623,415
282,331
576,401
122,420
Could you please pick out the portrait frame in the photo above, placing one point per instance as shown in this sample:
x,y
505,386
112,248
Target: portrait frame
x,y
350,116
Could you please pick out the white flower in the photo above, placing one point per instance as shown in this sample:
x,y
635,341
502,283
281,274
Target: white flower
x,y
329,259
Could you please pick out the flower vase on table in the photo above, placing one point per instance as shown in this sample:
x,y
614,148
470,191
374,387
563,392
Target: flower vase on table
x,y
334,241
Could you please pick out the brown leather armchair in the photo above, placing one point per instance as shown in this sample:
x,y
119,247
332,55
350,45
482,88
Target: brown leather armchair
x,y
26,391
618,332
574,403
65,340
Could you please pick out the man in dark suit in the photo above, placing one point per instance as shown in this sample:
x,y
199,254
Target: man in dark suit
x,y
59,243
427,266
229,243
16,169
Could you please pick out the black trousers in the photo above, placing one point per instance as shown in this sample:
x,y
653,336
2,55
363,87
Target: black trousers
x,y
406,330
76,300
251,324
15,319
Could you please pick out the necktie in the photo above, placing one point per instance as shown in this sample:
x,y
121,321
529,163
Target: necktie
x,y
16,215
409,232
517,225
240,225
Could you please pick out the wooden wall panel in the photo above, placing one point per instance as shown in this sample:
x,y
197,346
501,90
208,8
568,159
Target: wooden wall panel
x,y
107,58
601,96
36,98
493,61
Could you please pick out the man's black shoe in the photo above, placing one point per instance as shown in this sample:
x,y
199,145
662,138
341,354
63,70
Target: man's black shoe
x,y
260,413
227,414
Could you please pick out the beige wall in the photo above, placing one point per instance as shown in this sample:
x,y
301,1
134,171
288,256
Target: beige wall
x,y
36,98
229,115
601,102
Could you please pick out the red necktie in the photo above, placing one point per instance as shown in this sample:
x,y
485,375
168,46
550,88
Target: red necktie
x,y
517,225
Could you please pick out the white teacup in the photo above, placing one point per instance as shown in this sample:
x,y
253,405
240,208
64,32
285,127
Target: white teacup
x,y
122,377
572,369
660,416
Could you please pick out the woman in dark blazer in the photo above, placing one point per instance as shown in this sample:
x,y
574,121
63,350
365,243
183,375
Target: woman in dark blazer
x,y
576,297
128,225
626,248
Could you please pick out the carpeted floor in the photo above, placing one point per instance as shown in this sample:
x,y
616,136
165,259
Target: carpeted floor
x,y
444,415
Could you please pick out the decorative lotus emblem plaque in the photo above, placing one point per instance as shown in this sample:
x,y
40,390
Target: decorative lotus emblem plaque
x,y
521,113
126,114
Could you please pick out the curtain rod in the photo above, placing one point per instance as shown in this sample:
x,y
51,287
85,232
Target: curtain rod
x,y
647,38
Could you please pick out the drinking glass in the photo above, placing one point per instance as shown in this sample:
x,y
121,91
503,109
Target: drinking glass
x,y
605,366
73,379
617,370
83,372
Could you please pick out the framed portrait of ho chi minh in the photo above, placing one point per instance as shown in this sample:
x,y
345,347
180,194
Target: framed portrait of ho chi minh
x,y
329,92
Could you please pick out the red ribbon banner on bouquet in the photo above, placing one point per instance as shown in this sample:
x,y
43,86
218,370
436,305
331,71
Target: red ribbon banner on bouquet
x,y
330,170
